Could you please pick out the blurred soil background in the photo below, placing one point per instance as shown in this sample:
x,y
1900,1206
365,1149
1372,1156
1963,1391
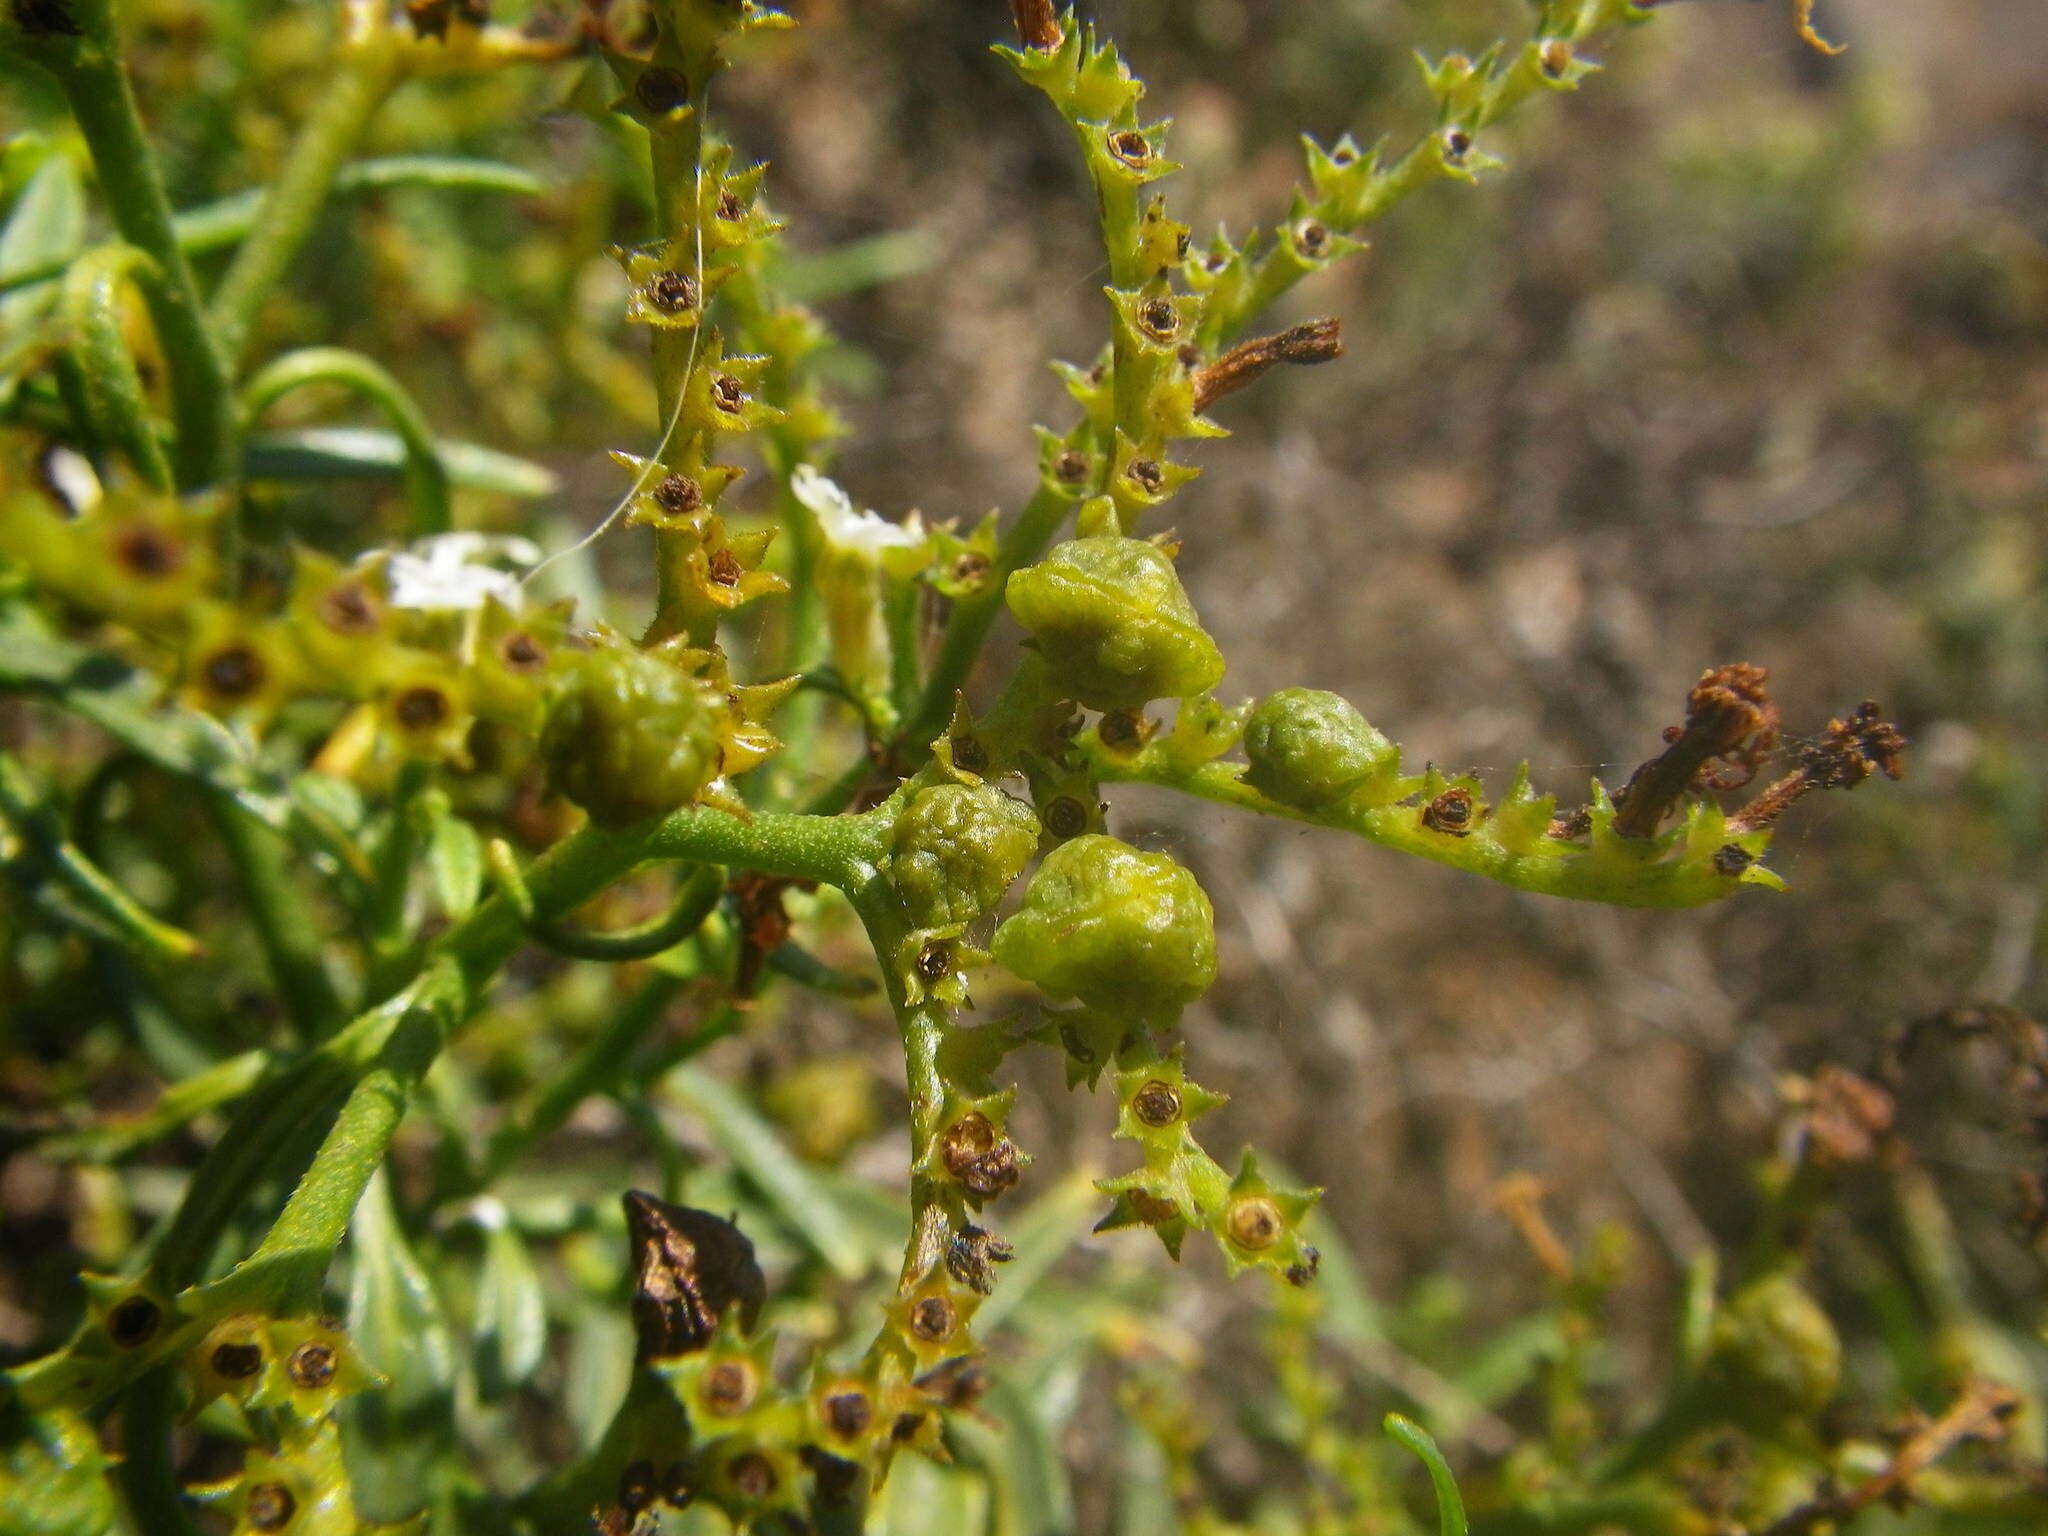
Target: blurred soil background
x,y
1743,358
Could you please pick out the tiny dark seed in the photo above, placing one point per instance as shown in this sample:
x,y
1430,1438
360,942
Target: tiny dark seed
x,y
134,1321
1066,817
935,960
1731,859
676,1486
1555,57
1344,155
1151,1209
311,1365
661,90
906,1427
1147,476
671,292
1456,143
678,494
349,610
234,673
969,755
932,1319
728,394
522,653
271,1507
1070,466
421,708
724,568
970,566
1215,262
730,207
752,1475
1450,812
1311,238
729,1387
636,1486
237,1362
1304,1270
1130,146
148,553
1254,1223
848,1414
1159,318
1156,1103
1120,732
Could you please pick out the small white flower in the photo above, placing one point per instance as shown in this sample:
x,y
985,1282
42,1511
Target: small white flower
x,y
445,573
857,533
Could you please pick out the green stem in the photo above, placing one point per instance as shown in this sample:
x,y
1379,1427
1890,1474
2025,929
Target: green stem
x,y
694,901
349,99
115,404
88,68
967,626
22,805
426,477
293,1257
1623,872
148,1475
923,1029
287,926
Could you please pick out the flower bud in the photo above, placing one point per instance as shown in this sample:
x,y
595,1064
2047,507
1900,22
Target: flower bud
x,y
1775,1353
957,848
630,735
1126,932
1114,624
1311,750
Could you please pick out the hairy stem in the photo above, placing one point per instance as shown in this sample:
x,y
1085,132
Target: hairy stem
x,y
88,68
365,75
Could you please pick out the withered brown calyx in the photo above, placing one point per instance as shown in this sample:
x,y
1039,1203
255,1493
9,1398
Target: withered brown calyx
x,y
689,1268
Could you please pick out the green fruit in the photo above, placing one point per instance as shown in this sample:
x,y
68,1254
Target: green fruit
x,y
630,735
957,848
1114,624
1775,1353
1311,750
1125,932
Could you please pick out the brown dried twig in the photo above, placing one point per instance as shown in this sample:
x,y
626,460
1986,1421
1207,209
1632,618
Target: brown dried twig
x,y
1846,754
1036,24
1313,341
1979,1411
1730,719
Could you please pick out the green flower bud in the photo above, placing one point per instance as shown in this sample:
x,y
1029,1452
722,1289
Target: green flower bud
x,y
958,847
1126,932
630,735
1311,750
1114,624
1775,1353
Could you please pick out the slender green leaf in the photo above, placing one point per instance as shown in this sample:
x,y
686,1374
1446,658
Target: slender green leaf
x,y
44,231
455,854
1450,1508
511,1326
179,1105
356,453
394,1316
